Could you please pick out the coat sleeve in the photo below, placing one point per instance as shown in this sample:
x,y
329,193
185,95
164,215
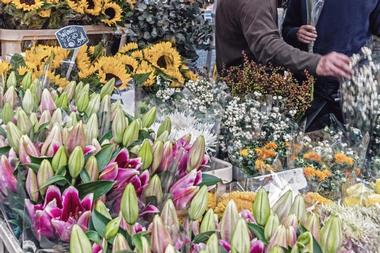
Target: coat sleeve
x,y
293,21
259,24
375,20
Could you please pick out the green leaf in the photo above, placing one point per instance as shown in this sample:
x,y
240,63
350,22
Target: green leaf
x,y
4,150
3,132
316,246
99,222
99,188
94,236
106,136
104,156
258,231
34,167
53,180
38,160
85,177
209,180
17,60
203,237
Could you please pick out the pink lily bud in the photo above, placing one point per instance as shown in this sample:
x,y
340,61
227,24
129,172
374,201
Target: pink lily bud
x,y
76,138
291,236
52,142
47,102
44,119
167,156
170,219
27,149
56,118
229,221
10,96
160,237
45,172
197,153
13,136
279,238
32,185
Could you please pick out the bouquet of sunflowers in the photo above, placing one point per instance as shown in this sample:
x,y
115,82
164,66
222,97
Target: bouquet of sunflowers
x,y
42,14
95,67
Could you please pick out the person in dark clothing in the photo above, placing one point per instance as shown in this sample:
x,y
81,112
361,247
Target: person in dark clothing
x,y
250,27
344,26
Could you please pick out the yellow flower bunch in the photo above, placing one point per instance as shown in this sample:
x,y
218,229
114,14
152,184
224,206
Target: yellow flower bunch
x,y
315,198
342,159
321,175
312,156
244,152
243,200
30,5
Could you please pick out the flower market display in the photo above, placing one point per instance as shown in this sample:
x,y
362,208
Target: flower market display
x,y
134,149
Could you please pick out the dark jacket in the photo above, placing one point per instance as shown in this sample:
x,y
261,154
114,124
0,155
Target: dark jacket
x,y
250,26
344,26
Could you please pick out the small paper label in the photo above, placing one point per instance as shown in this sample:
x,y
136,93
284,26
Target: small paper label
x,y
71,37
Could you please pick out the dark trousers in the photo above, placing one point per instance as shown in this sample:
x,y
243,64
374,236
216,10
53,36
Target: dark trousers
x,y
326,108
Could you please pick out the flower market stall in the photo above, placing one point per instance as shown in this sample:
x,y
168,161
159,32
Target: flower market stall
x,y
123,144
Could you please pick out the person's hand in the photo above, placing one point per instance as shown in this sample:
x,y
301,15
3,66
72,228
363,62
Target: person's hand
x,y
334,64
307,34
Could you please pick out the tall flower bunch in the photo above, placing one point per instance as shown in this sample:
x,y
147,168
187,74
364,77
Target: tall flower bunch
x,y
255,132
57,13
73,150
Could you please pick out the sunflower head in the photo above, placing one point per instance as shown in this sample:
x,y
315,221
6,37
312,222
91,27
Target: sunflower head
x,y
112,13
130,62
78,6
28,5
108,68
93,7
44,13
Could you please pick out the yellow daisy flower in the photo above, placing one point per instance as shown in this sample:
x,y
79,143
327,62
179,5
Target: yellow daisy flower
x,y
343,159
28,5
112,12
22,70
244,152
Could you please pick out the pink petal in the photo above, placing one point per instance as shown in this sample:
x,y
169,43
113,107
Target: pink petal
x,y
71,203
89,149
137,228
182,197
149,209
43,225
30,208
144,178
247,216
226,245
87,202
122,158
7,179
96,248
257,246
53,193
63,229
84,220
52,210
110,172
135,163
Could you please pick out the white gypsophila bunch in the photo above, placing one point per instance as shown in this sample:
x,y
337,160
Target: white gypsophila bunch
x,y
361,227
184,124
361,94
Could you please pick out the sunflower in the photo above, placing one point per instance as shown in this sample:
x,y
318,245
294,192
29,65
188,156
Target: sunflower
x,y
128,47
112,12
52,1
83,62
93,7
130,62
163,56
57,79
4,67
190,75
77,5
44,13
146,68
28,5
138,54
37,57
108,68
6,1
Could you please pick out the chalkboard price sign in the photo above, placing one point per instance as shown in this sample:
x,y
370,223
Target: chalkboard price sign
x,y
71,37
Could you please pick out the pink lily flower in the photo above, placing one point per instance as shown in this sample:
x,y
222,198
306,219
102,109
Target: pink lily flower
x,y
123,171
185,188
55,217
8,182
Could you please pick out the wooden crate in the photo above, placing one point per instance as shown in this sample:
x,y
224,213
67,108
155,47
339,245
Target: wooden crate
x,y
11,39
